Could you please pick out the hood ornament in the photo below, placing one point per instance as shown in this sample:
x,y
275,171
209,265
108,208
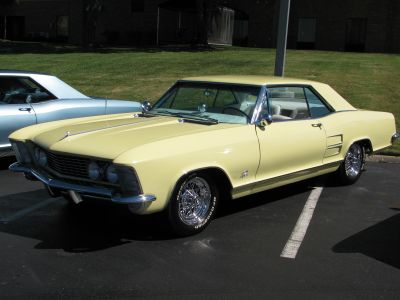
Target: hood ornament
x,y
67,134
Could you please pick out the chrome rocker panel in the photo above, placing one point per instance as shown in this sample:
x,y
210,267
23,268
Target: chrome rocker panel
x,y
98,191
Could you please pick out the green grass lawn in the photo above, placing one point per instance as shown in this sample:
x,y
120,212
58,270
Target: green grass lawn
x,y
367,81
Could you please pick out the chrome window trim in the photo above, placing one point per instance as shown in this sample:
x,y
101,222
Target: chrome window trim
x,y
261,94
262,97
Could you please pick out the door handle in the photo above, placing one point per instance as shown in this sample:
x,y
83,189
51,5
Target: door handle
x,y
317,125
28,109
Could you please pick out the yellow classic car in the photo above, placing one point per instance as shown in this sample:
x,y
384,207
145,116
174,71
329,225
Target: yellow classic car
x,y
206,138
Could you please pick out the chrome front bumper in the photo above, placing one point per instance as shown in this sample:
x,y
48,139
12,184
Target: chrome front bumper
x,y
101,192
395,137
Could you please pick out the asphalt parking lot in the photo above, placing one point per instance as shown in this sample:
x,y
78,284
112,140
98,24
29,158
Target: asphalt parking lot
x,y
351,248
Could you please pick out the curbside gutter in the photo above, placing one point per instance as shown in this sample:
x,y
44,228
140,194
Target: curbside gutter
x,y
384,159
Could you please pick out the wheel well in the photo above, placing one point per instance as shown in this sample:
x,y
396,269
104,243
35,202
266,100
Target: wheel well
x,y
366,143
221,180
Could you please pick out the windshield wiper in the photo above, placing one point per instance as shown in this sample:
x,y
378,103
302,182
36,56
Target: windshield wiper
x,y
186,116
199,118
159,113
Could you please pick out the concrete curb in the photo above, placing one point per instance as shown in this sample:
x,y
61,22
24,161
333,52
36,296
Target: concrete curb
x,y
384,159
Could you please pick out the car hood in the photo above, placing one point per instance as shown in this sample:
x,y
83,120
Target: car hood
x,y
109,138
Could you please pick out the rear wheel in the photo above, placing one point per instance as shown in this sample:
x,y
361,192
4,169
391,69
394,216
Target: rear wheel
x,y
193,204
353,164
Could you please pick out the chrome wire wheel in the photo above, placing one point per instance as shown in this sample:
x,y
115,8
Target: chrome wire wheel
x,y
194,201
354,161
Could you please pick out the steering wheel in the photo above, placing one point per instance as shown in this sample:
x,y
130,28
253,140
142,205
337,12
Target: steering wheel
x,y
235,111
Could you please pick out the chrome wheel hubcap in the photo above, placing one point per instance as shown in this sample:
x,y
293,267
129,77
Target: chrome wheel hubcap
x,y
194,200
353,161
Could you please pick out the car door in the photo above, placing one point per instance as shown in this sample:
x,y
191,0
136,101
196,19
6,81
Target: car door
x,y
13,117
59,109
295,142
15,110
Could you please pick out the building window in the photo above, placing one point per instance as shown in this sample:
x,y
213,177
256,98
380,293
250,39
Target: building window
x,y
137,6
306,33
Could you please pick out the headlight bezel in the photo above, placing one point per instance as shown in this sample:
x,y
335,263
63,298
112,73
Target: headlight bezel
x,y
40,157
21,152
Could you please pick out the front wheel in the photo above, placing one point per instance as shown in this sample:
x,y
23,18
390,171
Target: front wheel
x,y
193,204
352,166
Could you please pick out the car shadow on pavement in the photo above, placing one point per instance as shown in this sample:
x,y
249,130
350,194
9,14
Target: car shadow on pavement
x,y
5,162
262,198
380,242
91,227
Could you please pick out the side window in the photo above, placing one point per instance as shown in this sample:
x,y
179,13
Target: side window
x,y
18,90
288,103
317,107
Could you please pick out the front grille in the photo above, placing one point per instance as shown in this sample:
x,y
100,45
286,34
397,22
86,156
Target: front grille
x,y
68,165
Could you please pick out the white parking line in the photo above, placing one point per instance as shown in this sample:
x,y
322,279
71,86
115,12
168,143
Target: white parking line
x,y
28,210
296,238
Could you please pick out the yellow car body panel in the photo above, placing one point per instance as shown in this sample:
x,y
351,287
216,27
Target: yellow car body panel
x,y
253,158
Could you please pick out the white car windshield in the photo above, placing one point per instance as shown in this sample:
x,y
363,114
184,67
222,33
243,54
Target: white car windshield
x,y
218,103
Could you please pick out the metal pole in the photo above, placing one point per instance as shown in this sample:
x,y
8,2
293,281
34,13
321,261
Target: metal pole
x,y
5,27
282,37
158,24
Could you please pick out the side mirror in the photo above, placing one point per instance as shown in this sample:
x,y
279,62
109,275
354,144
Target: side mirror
x,y
264,121
268,118
146,106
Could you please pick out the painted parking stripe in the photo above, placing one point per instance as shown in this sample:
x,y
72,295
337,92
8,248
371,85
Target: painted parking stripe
x,y
28,210
296,238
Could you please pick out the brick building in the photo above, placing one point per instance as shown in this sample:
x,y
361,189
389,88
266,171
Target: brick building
x,y
354,25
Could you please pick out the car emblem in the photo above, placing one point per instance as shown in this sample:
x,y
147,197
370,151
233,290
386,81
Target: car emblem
x,y
245,173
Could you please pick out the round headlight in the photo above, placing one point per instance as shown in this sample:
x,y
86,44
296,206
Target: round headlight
x,y
40,156
112,175
94,171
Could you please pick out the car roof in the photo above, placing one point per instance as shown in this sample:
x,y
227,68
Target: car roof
x,y
51,83
250,79
329,94
20,72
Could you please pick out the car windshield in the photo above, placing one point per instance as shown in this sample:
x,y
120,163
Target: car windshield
x,y
209,102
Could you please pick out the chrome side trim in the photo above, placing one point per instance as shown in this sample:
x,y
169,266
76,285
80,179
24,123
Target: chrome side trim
x,y
99,191
395,137
5,146
335,146
289,176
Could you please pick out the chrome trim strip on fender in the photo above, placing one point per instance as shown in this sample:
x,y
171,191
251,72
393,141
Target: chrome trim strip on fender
x,y
100,191
273,180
